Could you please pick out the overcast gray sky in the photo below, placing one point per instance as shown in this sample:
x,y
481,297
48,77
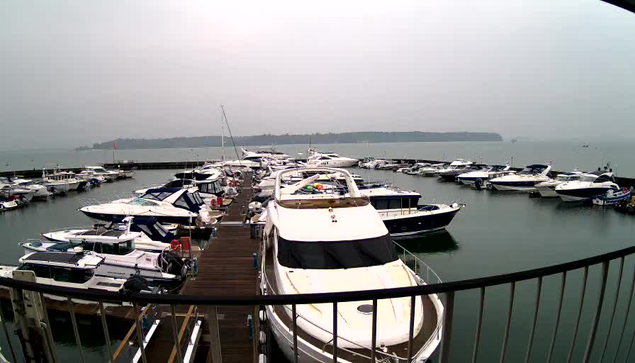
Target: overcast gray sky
x,y
77,72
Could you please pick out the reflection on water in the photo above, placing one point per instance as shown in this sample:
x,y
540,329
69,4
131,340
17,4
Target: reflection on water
x,y
433,243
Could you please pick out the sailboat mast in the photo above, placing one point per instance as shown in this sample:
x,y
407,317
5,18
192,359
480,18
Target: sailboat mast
x,y
222,138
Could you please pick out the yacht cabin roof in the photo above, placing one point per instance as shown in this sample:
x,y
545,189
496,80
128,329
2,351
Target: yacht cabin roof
x,y
329,224
62,259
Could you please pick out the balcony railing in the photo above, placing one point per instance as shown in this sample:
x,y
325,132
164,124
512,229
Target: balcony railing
x,y
604,308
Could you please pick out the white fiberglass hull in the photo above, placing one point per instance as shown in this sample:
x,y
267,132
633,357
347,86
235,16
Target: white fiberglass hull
x,y
514,188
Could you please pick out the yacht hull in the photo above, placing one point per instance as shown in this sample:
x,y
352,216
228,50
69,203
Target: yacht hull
x,y
520,186
160,218
419,222
580,195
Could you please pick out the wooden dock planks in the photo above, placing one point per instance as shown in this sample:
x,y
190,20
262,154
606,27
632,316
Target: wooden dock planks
x,y
226,267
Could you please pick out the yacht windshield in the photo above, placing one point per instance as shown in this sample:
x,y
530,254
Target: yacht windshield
x,y
336,255
533,169
143,202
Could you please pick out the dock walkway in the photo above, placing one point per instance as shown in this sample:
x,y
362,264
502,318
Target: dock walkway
x,y
226,268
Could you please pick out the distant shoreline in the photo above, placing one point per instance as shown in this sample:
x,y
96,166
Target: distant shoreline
x,y
287,139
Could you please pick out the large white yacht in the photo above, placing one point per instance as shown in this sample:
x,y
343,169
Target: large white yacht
x,y
336,242
329,159
583,190
177,205
525,180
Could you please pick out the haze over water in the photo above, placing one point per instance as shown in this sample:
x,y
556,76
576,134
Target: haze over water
x,y
564,155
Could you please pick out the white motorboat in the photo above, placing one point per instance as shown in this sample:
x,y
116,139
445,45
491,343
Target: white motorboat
x,y
11,190
76,270
147,233
108,175
208,188
479,177
121,259
11,203
431,170
403,215
263,153
39,190
547,189
63,177
329,159
584,190
176,205
311,239
372,163
458,166
524,181
416,168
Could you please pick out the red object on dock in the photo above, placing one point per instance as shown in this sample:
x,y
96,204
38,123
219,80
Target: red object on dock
x,y
185,243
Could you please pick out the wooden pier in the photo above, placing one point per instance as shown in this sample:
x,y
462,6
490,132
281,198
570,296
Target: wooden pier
x,y
226,267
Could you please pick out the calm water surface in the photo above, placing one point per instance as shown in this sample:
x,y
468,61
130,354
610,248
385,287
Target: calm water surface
x,y
496,233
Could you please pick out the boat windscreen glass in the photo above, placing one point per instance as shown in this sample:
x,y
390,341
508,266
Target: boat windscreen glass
x,y
604,178
143,202
533,169
336,255
189,201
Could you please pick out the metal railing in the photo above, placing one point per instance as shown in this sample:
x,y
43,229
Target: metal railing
x,y
613,330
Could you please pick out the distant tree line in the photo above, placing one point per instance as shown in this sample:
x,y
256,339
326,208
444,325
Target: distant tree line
x,y
317,138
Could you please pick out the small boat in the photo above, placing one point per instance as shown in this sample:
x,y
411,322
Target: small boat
x,y
329,159
39,190
76,270
480,177
524,181
415,169
147,233
175,205
403,215
66,177
7,204
431,170
121,259
585,190
456,168
613,197
109,175
12,191
372,163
